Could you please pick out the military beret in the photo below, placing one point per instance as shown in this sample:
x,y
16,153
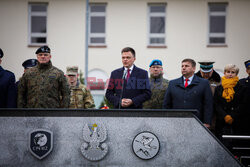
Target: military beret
x,y
247,63
206,66
155,62
72,70
1,53
29,63
43,49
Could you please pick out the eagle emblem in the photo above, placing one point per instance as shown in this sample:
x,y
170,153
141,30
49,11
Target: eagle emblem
x,y
93,147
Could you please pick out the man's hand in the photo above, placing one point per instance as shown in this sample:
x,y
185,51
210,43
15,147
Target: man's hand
x,y
126,102
207,125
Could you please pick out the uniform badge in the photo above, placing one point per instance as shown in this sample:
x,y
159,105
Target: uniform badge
x,y
40,143
146,145
93,147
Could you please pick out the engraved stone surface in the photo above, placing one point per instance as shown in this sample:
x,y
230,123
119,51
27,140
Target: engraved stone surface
x,y
93,136
40,142
183,142
146,145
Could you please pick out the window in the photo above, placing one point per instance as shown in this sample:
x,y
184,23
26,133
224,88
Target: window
x,y
97,26
37,23
156,23
97,79
217,24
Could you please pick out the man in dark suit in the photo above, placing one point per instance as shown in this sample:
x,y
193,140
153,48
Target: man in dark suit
x,y
190,92
8,93
128,86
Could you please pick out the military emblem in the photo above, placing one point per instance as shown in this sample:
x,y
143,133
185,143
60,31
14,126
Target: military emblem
x,y
40,143
146,145
92,149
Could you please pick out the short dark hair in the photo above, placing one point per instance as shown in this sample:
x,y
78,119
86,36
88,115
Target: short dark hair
x,y
190,61
128,49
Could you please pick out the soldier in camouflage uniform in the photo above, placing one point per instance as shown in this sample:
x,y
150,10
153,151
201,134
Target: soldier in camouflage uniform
x,y
43,86
80,96
158,86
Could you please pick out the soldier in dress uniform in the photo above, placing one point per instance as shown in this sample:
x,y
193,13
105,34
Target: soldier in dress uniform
x,y
80,96
207,72
158,85
29,63
43,86
245,107
8,94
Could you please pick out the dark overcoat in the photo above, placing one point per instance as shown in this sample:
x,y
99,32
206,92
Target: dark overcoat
x,y
137,88
8,92
245,106
223,108
197,95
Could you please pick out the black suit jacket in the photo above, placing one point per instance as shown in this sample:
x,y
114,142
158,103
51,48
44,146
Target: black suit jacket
x,y
137,88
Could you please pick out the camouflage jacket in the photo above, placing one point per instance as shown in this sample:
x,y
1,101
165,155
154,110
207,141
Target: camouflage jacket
x,y
80,97
43,86
158,89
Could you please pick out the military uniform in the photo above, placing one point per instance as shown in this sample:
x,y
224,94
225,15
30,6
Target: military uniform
x,y
43,86
8,93
214,80
245,106
158,88
27,64
80,97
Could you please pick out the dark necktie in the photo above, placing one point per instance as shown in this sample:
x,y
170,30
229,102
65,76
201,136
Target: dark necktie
x,y
186,83
128,74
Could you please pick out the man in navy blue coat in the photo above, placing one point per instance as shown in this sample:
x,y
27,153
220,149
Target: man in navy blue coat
x,y
8,93
128,86
190,92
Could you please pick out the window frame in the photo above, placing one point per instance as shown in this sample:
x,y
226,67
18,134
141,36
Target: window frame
x,y
214,35
101,35
36,13
156,35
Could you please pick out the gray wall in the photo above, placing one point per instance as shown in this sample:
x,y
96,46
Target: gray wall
x,y
183,141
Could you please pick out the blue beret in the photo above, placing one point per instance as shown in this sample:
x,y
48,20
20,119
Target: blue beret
x,y
43,49
29,63
247,63
155,62
1,53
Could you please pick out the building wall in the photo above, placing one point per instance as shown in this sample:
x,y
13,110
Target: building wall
x,y
126,25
